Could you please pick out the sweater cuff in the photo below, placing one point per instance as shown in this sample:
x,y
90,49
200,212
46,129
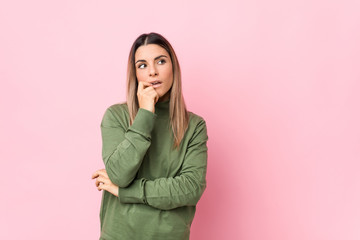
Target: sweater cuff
x,y
134,193
143,122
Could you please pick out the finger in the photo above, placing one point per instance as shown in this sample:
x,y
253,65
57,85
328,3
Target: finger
x,y
94,175
145,89
102,187
99,183
146,93
144,85
105,174
154,95
102,173
148,90
140,88
100,180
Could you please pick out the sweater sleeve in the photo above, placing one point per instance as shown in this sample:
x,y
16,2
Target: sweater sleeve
x,y
182,190
123,148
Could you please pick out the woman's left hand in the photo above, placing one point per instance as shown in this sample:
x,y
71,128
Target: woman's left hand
x,y
103,182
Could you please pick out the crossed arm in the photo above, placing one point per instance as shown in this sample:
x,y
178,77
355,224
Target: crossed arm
x,y
124,150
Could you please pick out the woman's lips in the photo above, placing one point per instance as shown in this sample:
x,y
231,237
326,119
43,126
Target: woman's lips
x,y
156,85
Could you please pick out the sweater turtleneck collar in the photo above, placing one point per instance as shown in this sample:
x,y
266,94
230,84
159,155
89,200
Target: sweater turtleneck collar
x,y
162,108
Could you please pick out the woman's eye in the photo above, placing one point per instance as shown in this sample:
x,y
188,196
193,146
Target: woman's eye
x,y
162,61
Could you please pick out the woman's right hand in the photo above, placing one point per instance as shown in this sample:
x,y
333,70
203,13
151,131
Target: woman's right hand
x,y
147,96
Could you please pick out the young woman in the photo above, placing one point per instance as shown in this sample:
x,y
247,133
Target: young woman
x,y
154,151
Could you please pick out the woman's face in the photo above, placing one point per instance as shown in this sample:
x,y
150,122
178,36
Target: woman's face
x,y
153,63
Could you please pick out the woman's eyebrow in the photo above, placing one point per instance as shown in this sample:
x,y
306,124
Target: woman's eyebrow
x,y
141,60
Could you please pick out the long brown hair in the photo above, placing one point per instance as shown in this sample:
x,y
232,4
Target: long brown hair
x,y
179,116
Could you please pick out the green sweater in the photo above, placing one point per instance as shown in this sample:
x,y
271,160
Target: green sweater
x,y
158,187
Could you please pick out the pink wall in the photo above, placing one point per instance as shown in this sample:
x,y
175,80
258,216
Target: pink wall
x,y
277,81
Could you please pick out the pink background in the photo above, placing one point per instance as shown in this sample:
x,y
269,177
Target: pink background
x,y
277,82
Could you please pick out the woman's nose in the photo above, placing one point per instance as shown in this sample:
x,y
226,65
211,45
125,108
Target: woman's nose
x,y
153,71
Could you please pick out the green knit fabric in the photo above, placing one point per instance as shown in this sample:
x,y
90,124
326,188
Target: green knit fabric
x,y
159,187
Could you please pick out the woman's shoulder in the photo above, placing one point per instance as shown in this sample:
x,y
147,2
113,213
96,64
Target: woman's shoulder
x,y
197,126
118,108
116,113
195,119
